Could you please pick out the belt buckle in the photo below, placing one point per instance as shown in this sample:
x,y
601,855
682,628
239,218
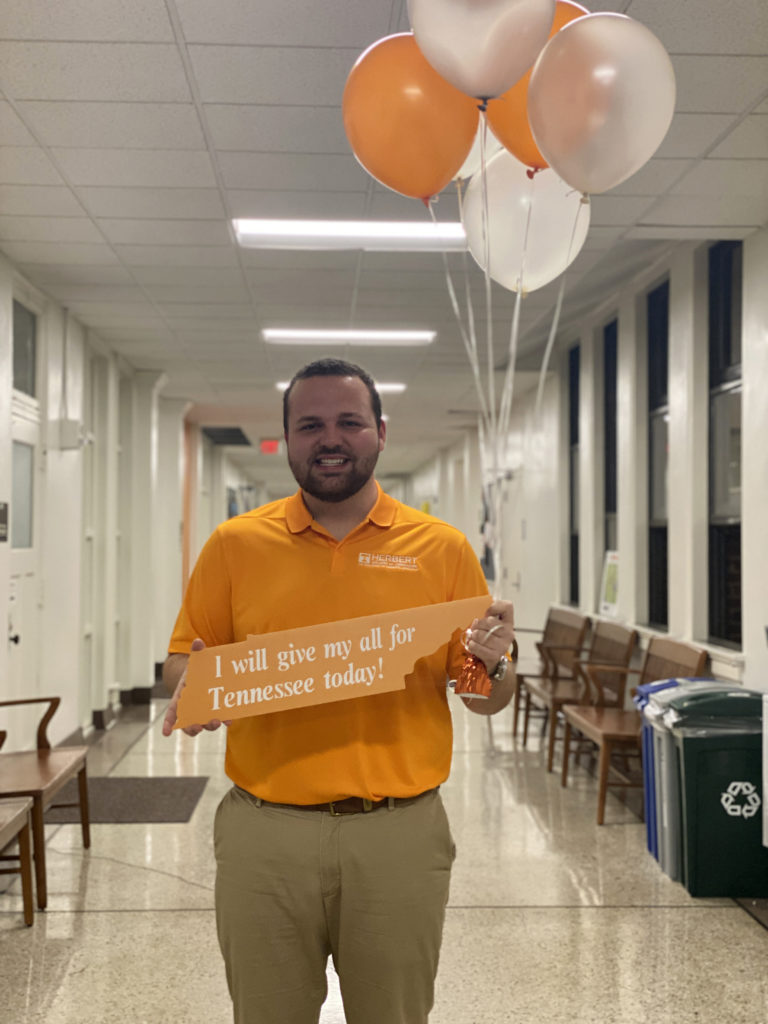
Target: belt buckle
x,y
367,806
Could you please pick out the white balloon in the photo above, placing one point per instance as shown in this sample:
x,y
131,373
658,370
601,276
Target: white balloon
x,y
600,100
473,162
559,221
481,46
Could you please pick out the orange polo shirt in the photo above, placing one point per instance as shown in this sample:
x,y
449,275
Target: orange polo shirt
x,y
275,568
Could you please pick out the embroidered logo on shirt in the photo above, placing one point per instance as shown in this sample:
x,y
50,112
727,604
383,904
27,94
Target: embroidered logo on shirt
x,y
379,561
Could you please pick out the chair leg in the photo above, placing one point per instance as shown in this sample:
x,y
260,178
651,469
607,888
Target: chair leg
x,y
602,789
85,818
566,753
25,863
515,707
526,714
552,719
38,844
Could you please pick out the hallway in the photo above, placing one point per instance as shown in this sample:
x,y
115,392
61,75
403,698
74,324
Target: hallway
x,y
551,918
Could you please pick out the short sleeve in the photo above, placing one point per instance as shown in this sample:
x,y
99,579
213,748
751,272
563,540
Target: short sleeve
x,y
206,611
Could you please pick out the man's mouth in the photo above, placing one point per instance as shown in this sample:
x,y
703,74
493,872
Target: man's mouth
x,y
331,460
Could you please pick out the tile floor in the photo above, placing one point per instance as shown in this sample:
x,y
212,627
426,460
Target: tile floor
x,y
551,919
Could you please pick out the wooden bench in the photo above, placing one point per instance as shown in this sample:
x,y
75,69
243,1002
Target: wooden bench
x,y
562,639
40,774
605,721
609,644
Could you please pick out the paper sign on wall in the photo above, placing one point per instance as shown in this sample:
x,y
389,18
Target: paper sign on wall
x,y
318,664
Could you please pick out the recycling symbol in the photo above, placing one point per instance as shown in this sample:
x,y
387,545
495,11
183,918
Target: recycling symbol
x,y
741,800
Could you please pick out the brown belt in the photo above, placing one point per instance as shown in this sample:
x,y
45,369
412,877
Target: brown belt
x,y
350,804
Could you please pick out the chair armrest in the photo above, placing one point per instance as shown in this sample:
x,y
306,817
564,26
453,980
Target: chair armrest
x,y
591,671
53,704
2,737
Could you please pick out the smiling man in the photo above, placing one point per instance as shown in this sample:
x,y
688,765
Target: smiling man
x,y
333,840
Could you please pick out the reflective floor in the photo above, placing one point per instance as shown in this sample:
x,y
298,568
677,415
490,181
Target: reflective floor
x,y
551,918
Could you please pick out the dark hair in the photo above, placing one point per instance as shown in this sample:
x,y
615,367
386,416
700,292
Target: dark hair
x,y
330,367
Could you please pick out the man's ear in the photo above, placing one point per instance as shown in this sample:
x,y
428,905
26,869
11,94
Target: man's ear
x,y
382,435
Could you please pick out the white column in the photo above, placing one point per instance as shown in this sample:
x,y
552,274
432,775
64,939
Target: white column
x,y
688,419
754,466
631,457
6,377
144,510
168,524
591,485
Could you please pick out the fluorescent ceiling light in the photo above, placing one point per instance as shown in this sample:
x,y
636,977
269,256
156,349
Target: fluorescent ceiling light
x,y
300,336
383,388
373,236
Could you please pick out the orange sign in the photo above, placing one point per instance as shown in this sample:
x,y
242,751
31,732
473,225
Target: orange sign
x,y
317,664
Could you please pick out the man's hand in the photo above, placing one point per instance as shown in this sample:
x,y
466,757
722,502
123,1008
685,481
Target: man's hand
x,y
492,636
170,715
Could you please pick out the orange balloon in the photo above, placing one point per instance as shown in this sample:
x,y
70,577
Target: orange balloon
x,y
508,115
407,126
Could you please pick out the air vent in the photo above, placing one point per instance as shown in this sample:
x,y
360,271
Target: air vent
x,y
226,435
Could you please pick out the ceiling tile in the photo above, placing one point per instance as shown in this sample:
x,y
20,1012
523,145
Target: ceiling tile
x,y
719,85
58,252
44,274
114,125
49,229
285,172
177,255
264,74
748,139
653,178
312,205
740,211
27,165
93,71
723,178
284,22
165,232
224,277
276,129
73,294
13,131
139,21
691,135
136,167
608,209
215,294
39,201
168,203
744,30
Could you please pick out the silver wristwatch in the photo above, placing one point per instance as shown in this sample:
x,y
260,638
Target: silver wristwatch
x,y
501,669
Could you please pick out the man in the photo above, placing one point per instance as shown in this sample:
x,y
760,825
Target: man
x,y
334,839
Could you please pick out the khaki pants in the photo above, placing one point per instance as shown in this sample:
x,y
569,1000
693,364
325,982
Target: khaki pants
x,y
294,886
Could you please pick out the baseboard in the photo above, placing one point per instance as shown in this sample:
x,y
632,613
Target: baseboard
x,y
138,695
104,719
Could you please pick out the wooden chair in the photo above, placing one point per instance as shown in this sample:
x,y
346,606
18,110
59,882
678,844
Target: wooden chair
x,y
610,644
15,825
41,774
561,641
605,721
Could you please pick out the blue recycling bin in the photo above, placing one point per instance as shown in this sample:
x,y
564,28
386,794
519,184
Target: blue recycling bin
x,y
647,694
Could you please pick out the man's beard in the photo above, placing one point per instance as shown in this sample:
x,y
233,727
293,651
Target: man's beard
x,y
334,488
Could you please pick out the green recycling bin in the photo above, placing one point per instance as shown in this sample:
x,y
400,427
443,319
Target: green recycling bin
x,y
720,758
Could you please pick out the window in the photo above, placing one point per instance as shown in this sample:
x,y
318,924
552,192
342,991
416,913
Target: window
x,y
610,354
22,489
658,453
24,349
725,261
573,473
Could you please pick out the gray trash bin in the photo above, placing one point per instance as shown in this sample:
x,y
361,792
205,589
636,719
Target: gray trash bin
x,y
666,773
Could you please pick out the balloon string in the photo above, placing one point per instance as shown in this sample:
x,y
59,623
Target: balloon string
x,y
505,413
487,263
470,344
558,307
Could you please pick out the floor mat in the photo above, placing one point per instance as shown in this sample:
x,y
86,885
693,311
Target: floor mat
x,y
116,800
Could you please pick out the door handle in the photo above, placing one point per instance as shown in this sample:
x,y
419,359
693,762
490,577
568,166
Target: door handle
x,y
14,638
